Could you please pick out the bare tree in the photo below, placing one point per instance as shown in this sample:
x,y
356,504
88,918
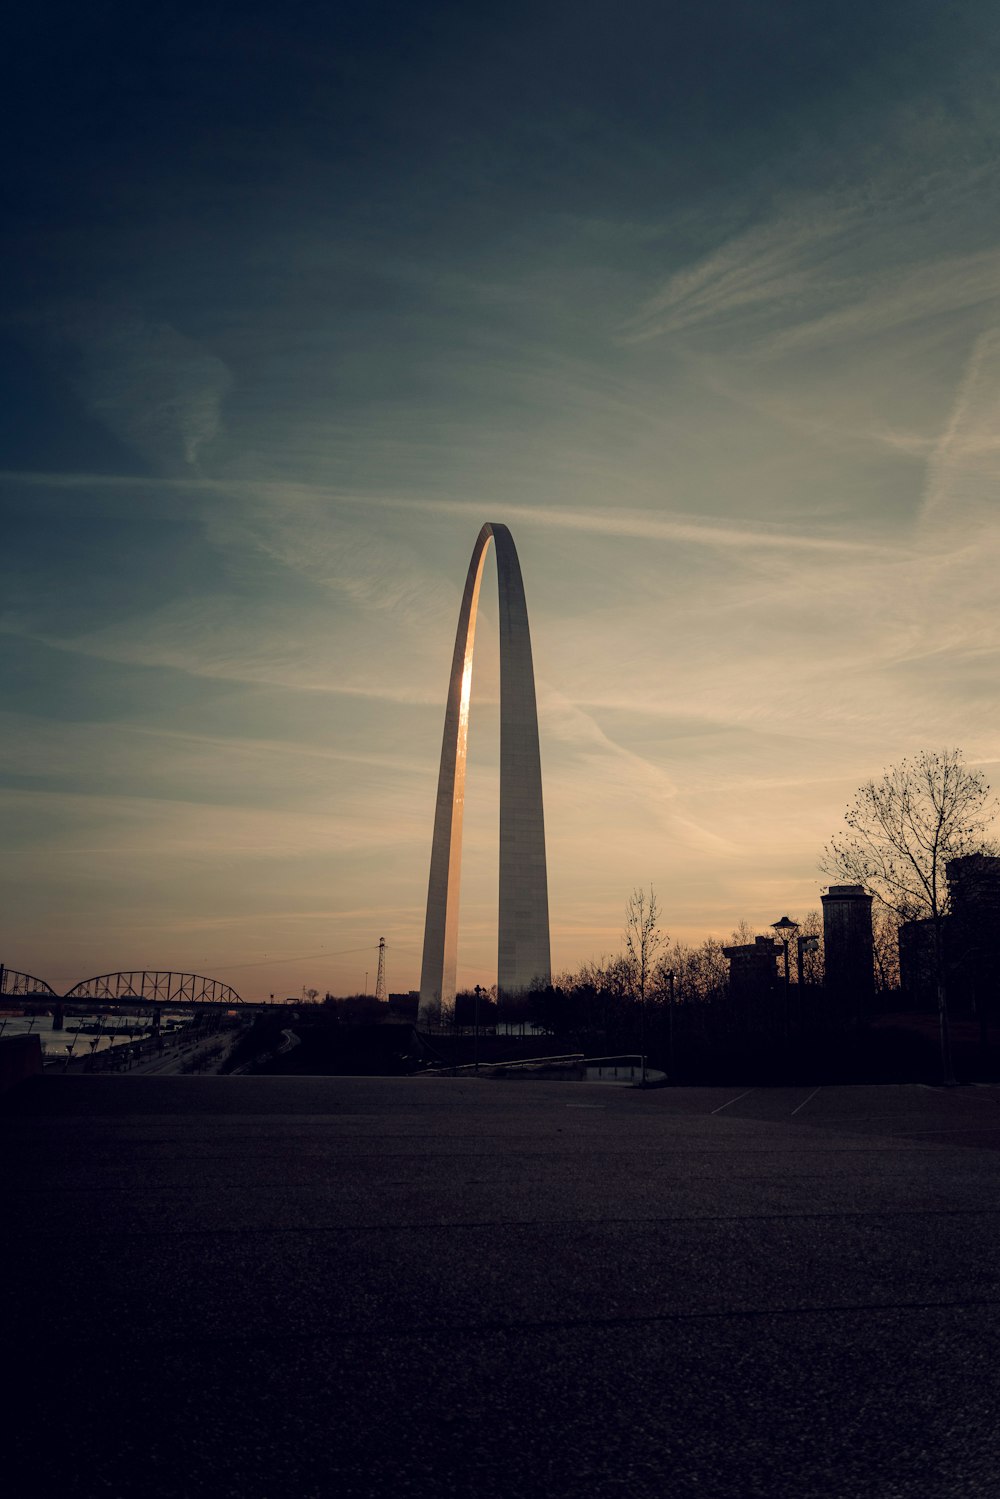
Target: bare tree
x,y
901,831
610,976
885,947
744,934
810,948
643,939
699,972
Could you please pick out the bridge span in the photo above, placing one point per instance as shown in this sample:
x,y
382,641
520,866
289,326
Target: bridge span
x,y
152,989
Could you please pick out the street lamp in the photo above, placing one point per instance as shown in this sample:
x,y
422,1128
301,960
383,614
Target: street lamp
x,y
804,945
785,930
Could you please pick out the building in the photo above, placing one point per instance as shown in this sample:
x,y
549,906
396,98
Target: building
x,y
848,953
970,939
404,1006
917,978
974,932
753,970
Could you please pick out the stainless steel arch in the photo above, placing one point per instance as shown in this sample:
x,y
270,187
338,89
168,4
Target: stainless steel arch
x,y
523,957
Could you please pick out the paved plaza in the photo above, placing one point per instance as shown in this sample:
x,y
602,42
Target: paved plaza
x,y
280,1288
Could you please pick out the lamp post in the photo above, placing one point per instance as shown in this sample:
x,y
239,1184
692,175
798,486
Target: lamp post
x,y
642,1034
805,944
669,976
785,930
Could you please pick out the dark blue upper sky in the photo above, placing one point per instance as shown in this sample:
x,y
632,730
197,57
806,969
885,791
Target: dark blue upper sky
x,y
419,120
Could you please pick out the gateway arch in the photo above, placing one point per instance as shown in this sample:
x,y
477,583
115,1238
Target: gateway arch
x,y
523,958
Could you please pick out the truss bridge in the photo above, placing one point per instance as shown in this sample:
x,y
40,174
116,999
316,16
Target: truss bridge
x,y
146,988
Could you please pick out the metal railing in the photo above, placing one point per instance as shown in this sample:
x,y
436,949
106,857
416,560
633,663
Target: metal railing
x,y
571,1056
634,1060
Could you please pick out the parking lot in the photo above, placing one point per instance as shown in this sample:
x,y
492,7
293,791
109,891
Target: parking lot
x,y
372,1286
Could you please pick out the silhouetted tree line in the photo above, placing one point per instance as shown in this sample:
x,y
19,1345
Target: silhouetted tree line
x,y
695,1029
355,1009
679,1006
903,833
674,1002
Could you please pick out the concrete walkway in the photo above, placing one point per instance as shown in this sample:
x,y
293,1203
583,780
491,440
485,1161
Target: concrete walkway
x,y
270,1287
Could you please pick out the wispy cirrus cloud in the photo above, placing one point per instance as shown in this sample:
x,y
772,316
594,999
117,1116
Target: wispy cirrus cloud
x,y
155,389
963,469
313,544
945,285
825,270
780,264
181,639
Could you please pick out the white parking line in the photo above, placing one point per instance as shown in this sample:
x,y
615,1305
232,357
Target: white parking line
x,y
804,1102
731,1100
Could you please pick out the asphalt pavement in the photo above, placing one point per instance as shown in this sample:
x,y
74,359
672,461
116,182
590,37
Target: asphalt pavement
x,y
294,1288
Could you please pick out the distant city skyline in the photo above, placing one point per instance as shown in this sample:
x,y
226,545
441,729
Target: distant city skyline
x,y
704,306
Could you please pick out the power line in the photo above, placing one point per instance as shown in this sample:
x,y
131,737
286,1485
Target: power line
x,y
299,958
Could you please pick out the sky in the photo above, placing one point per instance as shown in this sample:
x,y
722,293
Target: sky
x,y
703,302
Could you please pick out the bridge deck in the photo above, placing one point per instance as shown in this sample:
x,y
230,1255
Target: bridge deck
x,y
311,1287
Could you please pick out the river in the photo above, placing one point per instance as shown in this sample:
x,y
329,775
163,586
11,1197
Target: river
x,y
114,1030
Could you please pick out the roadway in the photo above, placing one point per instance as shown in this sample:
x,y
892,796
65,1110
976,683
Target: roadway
x,y
186,1053
306,1287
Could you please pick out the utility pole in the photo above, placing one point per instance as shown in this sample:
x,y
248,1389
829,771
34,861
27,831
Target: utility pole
x,y
670,1025
380,980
